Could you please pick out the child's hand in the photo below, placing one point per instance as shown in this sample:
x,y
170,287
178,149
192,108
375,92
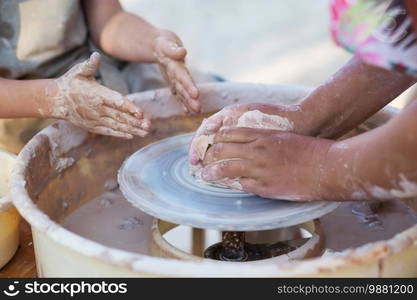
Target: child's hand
x,y
229,116
170,54
269,163
79,98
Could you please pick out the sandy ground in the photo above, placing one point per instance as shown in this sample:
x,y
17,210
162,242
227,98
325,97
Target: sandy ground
x,y
252,41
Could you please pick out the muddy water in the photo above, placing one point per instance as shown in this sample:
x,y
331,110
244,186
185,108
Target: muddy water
x,y
353,224
112,221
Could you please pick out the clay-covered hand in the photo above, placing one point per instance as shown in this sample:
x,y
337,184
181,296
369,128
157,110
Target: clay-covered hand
x,y
170,55
230,115
79,98
269,163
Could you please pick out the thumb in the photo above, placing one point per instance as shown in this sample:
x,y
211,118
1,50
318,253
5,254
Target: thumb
x,y
89,67
174,51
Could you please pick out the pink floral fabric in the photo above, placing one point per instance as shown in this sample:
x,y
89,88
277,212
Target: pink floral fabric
x,y
379,32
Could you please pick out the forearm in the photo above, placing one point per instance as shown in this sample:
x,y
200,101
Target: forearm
x,y
119,33
349,97
24,98
380,164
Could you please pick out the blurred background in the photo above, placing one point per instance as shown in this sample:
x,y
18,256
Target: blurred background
x,y
264,41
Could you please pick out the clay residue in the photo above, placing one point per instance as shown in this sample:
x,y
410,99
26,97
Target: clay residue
x,y
201,145
232,183
354,224
65,139
407,189
63,163
110,220
367,213
77,97
130,223
111,185
258,119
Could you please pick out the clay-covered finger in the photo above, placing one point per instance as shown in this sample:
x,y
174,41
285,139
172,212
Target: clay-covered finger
x,y
179,96
178,74
206,129
237,135
251,185
222,151
193,155
163,71
126,118
227,169
117,126
184,77
102,130
242,134
89,67
166,76
213,124
192,105
125,105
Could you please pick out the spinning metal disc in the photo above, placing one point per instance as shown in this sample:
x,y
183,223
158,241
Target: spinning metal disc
x,y
156,179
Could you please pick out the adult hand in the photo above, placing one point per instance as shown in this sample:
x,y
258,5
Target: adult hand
x,y
269,163
229,116
79,98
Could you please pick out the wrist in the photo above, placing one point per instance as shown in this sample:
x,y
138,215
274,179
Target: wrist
x,y
293,113
50,94
302,119
311,115
337,179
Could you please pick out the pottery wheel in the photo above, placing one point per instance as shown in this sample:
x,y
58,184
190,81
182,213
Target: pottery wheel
x,y
156,179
